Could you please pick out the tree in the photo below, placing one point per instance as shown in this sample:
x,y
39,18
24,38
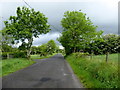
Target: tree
x,y
34,50
26,25
5,41
111,44
43,50
106,44
95,45
78,31
51,46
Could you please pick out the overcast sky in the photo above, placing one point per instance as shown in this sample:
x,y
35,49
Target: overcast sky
x,y
103,13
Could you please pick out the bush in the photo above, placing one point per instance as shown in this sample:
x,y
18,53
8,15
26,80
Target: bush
x,y
5,54
20,54
80,54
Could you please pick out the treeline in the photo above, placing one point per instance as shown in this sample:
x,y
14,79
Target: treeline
x,y
47,49
109,43
84,37
43,50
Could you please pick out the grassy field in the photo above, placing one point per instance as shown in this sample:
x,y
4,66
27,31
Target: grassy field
x,y
95,72
37,56
14,64
113,58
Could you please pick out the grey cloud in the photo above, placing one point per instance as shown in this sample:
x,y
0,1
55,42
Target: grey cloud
x,y
102,16
44,38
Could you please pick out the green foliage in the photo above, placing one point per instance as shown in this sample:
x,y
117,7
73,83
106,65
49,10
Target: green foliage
x,y
4,55
107,43
78,31
14,64
15,54
19,54
111,43
62,51
5,38
95,73
51,47
45,49
80,54
26,25
37,56
34,50
6,48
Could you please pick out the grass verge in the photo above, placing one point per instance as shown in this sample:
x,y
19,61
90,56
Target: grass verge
x,y
14,64
95,73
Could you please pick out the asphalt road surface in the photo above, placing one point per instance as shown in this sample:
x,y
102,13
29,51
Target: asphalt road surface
x,y
52,72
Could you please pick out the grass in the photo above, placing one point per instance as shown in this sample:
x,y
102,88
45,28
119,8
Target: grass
x,y
37,56
113,58
95,73
14,64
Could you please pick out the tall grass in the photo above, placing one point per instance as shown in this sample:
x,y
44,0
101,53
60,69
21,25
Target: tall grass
x,y
95,73
14,64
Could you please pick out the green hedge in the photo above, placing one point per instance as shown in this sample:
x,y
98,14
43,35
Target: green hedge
x,y
17,54
80,54
20,54
4,54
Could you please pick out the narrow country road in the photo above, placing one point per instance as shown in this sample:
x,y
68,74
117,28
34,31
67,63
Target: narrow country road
x,y
52,72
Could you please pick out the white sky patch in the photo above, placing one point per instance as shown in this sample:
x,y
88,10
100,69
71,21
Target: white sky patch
x,y
44,38
61,47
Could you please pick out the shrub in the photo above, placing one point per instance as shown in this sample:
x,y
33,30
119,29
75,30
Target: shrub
x,y
80,54
5,54
19,54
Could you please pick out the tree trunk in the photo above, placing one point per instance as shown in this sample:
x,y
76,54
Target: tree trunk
x,y
74,49
8,56
29,47
91,56
107,56
28,54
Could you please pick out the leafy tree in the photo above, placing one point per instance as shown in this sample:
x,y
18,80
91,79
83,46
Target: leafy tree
x,y
46,49
57,49
34,50
5,42
26,25
110,44
43,50
78,31
51,46
96,45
